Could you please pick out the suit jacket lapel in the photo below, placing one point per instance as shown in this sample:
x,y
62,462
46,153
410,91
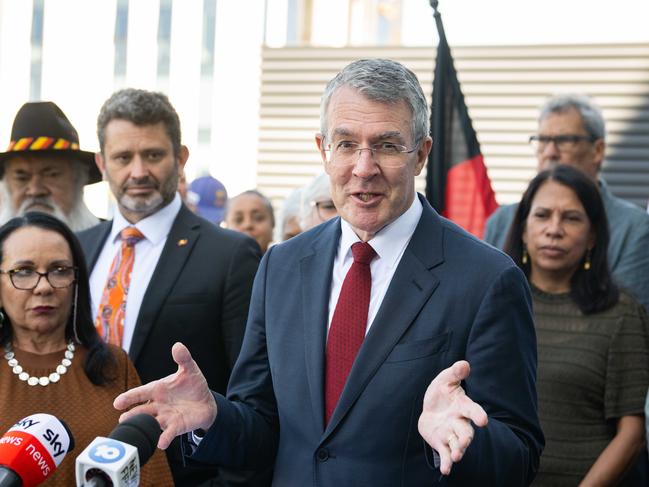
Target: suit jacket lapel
x,y
95,245
411,286
315,275
184,233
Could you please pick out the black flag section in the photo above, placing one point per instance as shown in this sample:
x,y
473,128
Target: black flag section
x,y
457,184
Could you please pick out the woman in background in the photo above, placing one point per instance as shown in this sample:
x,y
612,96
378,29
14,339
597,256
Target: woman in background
x,y
317,205
251,213
288,224
593,359
55,362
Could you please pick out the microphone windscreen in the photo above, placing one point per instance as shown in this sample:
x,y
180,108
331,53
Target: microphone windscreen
x,y
142,431
34,447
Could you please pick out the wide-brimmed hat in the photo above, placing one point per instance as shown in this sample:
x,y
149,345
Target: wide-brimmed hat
x,y
42,127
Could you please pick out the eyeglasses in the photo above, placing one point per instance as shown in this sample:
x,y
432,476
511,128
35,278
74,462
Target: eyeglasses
x,y
325,209
386,154
563,143
27,279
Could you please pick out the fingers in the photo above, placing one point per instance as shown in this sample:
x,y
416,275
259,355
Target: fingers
x,y
452,376
447,415
461,437
445,460
137,395
186,364
455,447
166,438
460,370
475,413
181,355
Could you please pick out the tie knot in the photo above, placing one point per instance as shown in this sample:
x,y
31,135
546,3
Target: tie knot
x,y
363,252
131,236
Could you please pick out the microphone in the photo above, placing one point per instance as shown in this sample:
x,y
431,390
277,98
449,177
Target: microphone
x,y
116,460
32,449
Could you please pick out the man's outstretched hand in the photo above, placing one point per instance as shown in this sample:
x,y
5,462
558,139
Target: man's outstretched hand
x,y
445,422
181,402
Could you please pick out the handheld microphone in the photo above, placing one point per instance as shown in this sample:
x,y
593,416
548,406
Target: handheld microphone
x,y
32,449
116,460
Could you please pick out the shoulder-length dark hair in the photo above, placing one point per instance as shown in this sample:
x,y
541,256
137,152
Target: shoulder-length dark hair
x,y
100,366
592,290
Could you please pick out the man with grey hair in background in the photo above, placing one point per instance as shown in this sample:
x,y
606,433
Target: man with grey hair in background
x,y
571,131
43,168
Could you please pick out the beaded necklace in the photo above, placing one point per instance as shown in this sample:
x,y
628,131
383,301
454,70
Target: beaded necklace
x,y
45,380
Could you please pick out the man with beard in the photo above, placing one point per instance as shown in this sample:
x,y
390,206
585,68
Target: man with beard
x,y
160,273
43,168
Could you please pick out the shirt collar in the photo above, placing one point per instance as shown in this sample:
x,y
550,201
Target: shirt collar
x,y
154,227
390,241
603,189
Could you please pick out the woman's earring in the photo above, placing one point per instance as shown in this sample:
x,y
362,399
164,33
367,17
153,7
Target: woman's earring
x,y
587,261
524,257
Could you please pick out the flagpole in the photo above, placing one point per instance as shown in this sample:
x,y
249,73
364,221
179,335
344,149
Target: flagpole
x,y
436,170
438,20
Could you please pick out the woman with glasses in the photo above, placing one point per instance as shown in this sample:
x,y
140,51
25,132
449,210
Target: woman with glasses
x,y
317,204
55,362
592,338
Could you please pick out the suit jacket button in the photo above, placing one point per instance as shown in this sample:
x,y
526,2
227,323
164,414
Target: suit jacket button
x,y
322,455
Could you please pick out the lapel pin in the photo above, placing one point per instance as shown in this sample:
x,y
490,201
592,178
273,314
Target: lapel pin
x,y
182,242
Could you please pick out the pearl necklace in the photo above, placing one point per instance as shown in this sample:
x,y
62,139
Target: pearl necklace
x,y
55,376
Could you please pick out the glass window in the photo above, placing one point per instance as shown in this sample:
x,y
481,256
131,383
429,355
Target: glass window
x,y
121,38
36,68
164,38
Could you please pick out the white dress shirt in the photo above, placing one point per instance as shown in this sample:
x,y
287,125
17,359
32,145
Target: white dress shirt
x,y
389,244
155,229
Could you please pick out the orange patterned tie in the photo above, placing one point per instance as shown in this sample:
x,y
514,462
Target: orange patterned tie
x,y
110,315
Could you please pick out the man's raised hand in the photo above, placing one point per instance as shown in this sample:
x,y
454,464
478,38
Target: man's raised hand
x,y
445,422
181,402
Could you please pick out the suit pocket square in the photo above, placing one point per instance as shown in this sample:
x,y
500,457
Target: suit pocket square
x,y
419,348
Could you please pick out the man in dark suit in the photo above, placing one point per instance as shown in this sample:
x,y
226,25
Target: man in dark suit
x,y
189,280
397,405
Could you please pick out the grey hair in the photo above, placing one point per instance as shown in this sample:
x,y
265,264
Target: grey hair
x,y
384,81
290,209
79,218
590,113
318,190
140,107
253,192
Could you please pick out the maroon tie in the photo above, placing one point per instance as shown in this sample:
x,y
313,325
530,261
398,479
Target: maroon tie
x,y
348,324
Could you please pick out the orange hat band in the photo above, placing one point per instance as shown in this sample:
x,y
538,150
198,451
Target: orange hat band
x,y
41,143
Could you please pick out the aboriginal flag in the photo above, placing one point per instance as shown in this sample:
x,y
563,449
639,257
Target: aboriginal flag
x,y
457,184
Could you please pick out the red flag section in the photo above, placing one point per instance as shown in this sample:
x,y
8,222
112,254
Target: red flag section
x,y
457,183
469,197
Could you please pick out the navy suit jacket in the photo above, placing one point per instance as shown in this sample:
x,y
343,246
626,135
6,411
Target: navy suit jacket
x,y
199,294
452,297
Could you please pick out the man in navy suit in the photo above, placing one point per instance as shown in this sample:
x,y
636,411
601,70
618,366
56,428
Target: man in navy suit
x,y
411,410
190,280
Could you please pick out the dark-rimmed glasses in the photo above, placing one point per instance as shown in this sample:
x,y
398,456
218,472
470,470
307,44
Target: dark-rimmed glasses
x,y
563,143
26,279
